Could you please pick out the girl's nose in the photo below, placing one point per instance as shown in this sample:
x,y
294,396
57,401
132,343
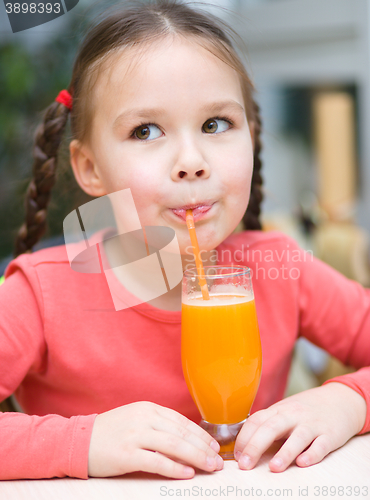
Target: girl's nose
x,y
190,164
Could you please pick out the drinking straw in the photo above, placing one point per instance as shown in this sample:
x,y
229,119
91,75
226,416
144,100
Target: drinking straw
x,y
198,260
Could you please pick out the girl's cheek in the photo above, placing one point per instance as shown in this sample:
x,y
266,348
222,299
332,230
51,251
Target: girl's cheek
x,y
131,176
239,176
240,160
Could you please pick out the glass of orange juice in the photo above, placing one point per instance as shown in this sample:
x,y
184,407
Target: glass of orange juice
x,y
221,350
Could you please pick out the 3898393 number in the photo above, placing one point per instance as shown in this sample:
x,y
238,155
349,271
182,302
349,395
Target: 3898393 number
x,y
32,8
341,491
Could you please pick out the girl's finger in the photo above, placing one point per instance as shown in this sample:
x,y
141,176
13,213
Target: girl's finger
x,y
274,428
181,420
248,429
186,433
320,447
156,463
299,440
175,447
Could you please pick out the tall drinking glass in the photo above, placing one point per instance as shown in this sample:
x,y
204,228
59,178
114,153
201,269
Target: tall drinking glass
x,y
221,350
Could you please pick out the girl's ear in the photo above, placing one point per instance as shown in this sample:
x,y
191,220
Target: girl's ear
x,y
85,170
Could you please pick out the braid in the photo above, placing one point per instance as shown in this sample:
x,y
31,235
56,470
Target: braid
x,y
251,217
48,137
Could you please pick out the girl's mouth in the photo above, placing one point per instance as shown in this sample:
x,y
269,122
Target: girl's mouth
x,y
200,211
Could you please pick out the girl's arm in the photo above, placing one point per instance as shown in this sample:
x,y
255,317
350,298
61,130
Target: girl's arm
x,y
34,446
139,436
334,314
44,447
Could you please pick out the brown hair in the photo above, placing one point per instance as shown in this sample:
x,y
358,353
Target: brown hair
x,y
131,25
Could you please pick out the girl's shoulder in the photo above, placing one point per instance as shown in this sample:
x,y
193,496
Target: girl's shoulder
x,y
35,279
45,257
47,275
48,267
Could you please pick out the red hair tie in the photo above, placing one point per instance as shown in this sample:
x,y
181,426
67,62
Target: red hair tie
x,y
64,97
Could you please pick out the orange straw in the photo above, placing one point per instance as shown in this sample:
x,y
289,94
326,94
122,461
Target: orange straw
x,y
198,260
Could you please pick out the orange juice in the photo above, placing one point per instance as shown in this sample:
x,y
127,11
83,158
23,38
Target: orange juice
x,y
221,355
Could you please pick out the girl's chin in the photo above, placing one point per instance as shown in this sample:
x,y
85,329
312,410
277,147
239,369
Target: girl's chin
x,y
210,234
205,244
206,251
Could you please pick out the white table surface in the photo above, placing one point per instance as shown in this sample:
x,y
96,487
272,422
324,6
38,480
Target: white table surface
x,y
341,472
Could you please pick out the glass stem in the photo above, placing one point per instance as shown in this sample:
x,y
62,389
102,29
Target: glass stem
x,y
225,435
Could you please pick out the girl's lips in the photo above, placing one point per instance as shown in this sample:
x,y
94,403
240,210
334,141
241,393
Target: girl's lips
x,y
199,212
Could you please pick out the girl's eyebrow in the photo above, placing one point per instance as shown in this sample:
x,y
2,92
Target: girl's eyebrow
x,y
218,107
138,113
215,107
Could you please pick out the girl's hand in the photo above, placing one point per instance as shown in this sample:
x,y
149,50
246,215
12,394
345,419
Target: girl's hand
x,y
315,422
147,437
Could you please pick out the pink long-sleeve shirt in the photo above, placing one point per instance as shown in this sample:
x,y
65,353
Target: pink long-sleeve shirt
x,y
68,355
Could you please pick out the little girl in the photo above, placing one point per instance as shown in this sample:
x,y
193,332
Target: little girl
x,y
160,103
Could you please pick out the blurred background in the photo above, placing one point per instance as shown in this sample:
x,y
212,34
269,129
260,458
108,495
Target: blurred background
x,y
310,62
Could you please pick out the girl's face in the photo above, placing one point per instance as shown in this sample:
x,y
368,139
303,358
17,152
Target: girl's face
x,y
171,127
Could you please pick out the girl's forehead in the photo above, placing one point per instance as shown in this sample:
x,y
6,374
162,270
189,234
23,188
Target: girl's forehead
x,y
165,70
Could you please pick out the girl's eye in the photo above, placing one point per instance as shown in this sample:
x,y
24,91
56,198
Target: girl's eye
x,y
147,132
215,125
